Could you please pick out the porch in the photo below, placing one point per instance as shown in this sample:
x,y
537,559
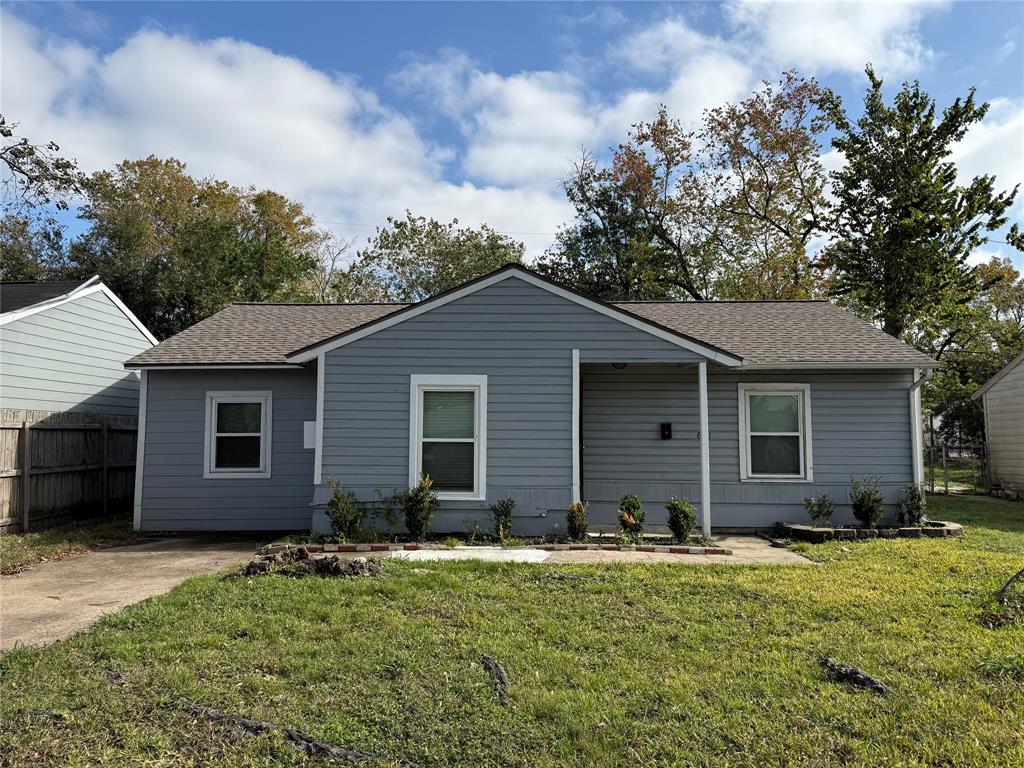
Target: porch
x,y
641,428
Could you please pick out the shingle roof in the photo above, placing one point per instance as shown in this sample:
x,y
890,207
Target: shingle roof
x,y
19,294
764,333
770,332
245,334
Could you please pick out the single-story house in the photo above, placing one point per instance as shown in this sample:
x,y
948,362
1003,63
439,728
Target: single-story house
x,y
1002,397
513,386
63,344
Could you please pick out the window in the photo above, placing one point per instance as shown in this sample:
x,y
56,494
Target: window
x,y
775,432
448,434
237,434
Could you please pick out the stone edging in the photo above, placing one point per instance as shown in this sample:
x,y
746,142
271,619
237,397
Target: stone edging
x,y
816,534
413,547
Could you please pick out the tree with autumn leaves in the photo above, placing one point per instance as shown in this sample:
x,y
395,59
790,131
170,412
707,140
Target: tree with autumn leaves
x,y
728,210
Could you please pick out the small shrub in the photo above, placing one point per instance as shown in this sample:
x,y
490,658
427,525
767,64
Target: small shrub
x,y
419,505
576,521
913,505
819,508
866,500
501,511
681,518
631,516
346,512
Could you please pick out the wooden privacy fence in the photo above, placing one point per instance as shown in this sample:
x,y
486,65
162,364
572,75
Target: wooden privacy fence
x,y
61,467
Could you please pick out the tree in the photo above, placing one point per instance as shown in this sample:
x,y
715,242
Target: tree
x,y
989,334
759,195
412,258
903,227
726,211
36,177
177,249
31,250
327,281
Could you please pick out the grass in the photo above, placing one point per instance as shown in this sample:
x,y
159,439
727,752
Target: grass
x,y
21,550
638,665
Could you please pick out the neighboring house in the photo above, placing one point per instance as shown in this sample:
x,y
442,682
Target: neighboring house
x,y
63,345
512,386
1003,399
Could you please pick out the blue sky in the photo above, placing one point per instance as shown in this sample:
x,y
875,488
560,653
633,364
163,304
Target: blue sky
x,y
465,110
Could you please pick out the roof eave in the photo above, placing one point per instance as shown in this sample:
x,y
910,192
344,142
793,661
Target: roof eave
x,y
143,366
838,365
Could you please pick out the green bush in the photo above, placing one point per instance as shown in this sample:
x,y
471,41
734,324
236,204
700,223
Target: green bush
x,y
419,505
681,518
866,499
913,506
346,512
576,521
501,511
631,515
819,508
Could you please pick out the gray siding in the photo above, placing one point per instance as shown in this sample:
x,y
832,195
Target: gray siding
x,y
71,358
860,425
521,337
176,497
1004,423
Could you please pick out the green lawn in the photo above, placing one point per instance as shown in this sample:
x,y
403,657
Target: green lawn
x,y
635,666
18,551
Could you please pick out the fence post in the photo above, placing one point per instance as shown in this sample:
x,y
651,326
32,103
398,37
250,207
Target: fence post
x,y
931,465
106,485
26,474
945,471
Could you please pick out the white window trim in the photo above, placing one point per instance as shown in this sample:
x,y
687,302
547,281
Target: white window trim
x,y
418,384
806,450
266,422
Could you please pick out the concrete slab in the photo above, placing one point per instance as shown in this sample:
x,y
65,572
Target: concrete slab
x,y
52,601
746,550
488,554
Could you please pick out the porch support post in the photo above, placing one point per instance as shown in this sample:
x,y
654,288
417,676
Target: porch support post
x,y
916,438
705,449
575,426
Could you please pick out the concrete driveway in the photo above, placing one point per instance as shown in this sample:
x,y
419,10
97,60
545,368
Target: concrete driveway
x,y
54,600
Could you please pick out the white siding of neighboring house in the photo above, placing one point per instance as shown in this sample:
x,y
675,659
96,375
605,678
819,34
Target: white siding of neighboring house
x,y
1004,423
70,357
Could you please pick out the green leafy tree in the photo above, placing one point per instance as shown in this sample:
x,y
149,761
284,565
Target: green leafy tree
x,y
36,178
989,334
29,250
412,258
178,249
903,227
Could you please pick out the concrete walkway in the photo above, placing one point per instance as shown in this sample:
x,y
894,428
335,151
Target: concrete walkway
x,y
52,601
746,550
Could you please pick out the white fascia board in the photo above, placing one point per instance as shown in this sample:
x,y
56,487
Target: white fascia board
x,y
809,366
89,287
714,355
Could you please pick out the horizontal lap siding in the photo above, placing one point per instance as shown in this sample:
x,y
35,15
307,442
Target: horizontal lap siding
x,y
521,337
1004,419
71,358
860,425
176,496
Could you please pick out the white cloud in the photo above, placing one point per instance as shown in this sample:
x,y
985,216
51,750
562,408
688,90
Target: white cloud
x,y
240,112
660,47
995,147
836,36
521,129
